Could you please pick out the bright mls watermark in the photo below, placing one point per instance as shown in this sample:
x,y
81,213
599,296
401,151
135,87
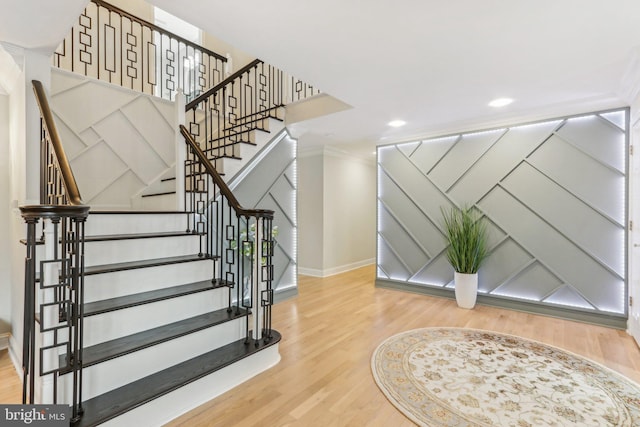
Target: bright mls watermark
x,y
35,415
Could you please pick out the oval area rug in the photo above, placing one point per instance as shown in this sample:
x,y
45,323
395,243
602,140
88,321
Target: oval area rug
x,y
467,377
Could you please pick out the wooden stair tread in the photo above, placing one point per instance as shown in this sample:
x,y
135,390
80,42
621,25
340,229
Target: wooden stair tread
x,y
137,212
118,303
106,237
132,265
128,344
117,402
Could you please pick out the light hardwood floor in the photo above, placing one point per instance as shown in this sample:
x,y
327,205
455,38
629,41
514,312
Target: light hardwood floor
x,y
329,333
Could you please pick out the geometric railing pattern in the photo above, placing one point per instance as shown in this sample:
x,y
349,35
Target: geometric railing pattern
x,y
110,44
555,197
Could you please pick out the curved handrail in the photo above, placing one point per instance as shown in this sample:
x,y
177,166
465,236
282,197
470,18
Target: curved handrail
x,y
68,180
223,83
224,189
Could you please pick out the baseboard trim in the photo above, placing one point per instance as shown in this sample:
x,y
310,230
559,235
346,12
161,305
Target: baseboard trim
x,y
335,270
13,355
617,322
4,340
285,294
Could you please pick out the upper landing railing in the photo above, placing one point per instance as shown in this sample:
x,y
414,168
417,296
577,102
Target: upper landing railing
x,y
110,44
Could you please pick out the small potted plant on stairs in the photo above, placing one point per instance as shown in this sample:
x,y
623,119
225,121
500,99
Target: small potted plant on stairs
x,y
466,235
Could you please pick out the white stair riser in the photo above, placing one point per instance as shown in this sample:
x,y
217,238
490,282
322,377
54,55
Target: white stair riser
x,y
99,224
157,203
162,410
116,324
161,186
120,283
114,251
106,376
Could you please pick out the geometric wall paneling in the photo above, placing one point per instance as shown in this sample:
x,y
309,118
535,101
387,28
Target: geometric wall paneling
x,y
150,124
112,196
587,178
96,168
554,197
402,242
512,147
89,102
437,272
129,137
128,143
73,144
463,154
505,261
597,283
568,215
270,183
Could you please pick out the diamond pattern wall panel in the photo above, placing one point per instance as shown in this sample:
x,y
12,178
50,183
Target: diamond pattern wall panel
x,y
553,193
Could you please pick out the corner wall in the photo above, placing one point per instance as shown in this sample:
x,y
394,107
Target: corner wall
x,y
337,212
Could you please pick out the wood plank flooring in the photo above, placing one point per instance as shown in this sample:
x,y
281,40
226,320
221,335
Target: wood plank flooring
x,y
329,333
10,385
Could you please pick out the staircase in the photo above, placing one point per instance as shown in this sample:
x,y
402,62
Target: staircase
x,y
162,195
157,321
143,315
138,316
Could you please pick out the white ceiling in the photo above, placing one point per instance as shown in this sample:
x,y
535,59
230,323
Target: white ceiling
x,y
433,63
38,24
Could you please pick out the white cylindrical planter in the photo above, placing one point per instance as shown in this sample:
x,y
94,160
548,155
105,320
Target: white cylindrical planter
x,y
466,286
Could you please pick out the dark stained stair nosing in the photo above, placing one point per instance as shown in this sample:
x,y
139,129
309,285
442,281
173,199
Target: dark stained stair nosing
x,y
106,237
133,300
164,193
121,400
131,343
132,265
138,212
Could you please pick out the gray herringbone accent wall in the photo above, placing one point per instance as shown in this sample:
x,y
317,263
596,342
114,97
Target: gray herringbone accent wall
x,y
271,184
554,195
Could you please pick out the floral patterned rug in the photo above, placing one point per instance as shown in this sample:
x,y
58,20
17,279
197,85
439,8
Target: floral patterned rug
x,y
465,377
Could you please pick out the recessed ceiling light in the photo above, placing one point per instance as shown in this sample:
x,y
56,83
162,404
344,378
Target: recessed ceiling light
x,y
396,123
500,102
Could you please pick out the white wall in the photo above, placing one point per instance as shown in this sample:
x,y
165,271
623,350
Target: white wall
x,y
349,212
310,212
5,218
336,212
24,171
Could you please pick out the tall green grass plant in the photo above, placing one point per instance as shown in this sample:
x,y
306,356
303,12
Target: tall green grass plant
x,y
466,234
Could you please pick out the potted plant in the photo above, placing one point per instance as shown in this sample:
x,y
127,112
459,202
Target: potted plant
x,y
466,235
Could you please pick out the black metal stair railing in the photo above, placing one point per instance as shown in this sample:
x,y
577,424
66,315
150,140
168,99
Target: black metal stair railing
x,y
54,284
226,114
242,238
110,44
